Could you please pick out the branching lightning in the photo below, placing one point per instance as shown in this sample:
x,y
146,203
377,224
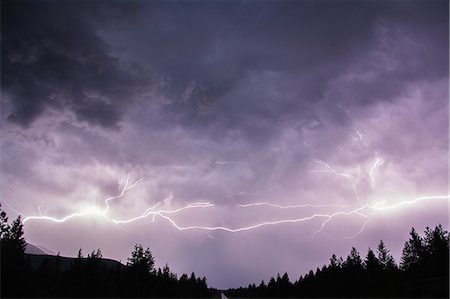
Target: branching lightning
x,y
382,206
327,217
95,211
360,137
365,211
326,212
346,176
152,212
90,211
122,193
372,170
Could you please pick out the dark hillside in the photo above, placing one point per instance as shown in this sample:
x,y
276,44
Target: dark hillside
x,y
65,262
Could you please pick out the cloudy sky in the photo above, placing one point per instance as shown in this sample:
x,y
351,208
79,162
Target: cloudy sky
x,y
236,139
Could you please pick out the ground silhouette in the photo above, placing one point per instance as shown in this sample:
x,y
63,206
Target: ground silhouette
x,y
423,271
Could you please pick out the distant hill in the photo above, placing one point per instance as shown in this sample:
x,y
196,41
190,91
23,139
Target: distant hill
x,y
33,249
45,249
65,262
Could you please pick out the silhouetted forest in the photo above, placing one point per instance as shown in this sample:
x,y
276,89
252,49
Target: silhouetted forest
x,y
423,272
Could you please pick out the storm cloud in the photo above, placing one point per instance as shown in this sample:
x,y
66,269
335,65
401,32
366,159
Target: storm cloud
x,y
231,103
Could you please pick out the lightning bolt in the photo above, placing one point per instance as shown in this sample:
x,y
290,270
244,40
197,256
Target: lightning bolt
x,y
366,211
151,211
244,228
372,170
90,211
93,210
381,206
352,180
360,137
39,210
358,232
328,217
344,175
9,206
122,193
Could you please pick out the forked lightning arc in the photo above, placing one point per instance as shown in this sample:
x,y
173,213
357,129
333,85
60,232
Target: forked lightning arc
x,y
363,209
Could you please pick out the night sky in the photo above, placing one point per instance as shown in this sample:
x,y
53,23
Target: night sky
x,y
235,139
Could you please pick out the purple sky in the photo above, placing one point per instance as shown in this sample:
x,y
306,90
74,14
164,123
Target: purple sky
x,y
263,136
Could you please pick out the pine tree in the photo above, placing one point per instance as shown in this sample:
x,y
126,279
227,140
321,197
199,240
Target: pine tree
x,y
353,259
15,269
353,273
95,254
4,226
386,259
371,262
335,262
413,254
436,244
141,259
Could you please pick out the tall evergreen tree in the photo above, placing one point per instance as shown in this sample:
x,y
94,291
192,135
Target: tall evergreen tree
x,y
371,262
16,236
4,226
141,259
436,244
15,269
353,272
413,253
335,262
353,259
141,272
385,258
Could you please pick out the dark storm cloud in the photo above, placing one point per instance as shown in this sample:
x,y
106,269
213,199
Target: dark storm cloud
x,y
52,57
203,51
94,59
252,65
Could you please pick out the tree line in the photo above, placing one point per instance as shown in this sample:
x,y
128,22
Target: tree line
x,y
90,276
423,271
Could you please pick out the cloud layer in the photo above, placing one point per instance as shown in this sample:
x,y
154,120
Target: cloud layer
x,y
229,103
